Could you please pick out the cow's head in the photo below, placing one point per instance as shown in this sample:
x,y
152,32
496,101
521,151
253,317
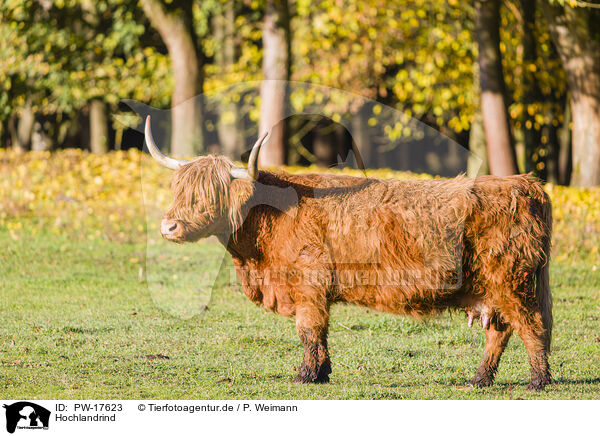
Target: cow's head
x,y
208,193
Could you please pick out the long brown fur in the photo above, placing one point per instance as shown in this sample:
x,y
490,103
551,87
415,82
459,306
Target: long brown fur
x,y
413,247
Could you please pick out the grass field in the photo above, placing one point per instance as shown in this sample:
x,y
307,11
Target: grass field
x,y
82,317
78,321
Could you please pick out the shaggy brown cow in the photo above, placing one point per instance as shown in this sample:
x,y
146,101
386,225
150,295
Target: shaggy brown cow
x,y
408,247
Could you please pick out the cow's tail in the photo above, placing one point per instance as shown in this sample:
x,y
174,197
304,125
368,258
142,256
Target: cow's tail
x,y
544,295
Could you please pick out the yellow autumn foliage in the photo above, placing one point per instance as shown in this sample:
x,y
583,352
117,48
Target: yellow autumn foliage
x,y
91,196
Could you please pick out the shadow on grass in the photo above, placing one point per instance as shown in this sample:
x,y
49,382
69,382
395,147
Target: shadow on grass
x,y
584,381
497,385
86,330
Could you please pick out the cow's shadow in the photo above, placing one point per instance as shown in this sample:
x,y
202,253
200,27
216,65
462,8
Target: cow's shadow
x,y
583,381
504,385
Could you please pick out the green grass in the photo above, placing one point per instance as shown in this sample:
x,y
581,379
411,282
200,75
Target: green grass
x,y
76,321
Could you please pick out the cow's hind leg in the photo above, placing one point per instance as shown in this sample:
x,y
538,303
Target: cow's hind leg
x,y
527,322
532,333
311,323
496,338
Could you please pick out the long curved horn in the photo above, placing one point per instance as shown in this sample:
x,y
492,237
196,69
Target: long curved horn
x,y
251,174
165,161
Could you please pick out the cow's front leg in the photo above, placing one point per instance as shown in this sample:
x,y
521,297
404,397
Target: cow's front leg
x,y
311,323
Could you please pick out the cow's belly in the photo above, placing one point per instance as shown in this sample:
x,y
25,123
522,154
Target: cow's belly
x,y
397,292
390,299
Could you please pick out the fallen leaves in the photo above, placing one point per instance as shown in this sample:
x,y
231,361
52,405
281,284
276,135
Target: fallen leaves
x,y
100,196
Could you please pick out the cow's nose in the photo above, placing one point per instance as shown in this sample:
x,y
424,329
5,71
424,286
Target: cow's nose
x,y
168,227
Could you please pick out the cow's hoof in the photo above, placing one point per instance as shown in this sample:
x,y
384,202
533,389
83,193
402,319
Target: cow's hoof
x,y
481,382
535,387
309,374
538,384
303,379
312,375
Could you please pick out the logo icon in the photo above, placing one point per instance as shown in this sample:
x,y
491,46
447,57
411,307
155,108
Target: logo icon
x,y
26,415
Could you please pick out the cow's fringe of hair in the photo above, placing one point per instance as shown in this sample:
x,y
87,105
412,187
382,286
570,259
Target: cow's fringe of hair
x,y
204,192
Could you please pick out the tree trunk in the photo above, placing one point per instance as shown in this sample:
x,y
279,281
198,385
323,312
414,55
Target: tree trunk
x,y
572,31
12,131
175,26
40,140
229,32
360,136
477,163
499,141
531,94
564,147
21,128
228,123
98,127
273,90
586,140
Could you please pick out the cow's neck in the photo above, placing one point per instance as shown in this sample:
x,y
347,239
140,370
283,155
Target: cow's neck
x,y
243,243
272,200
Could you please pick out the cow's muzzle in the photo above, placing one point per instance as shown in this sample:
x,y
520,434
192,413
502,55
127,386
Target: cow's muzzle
x,y
171,229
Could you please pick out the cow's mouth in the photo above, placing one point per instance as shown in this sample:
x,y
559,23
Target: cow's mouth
x,y
172,238
184,234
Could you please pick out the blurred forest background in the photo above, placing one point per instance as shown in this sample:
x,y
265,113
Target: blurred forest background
x,y
517,82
